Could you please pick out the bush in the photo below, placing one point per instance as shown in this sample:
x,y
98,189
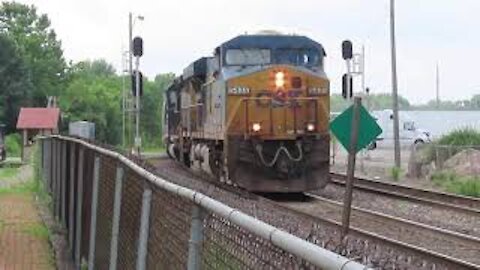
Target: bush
x,y
461,137
13,145
468,186
456,139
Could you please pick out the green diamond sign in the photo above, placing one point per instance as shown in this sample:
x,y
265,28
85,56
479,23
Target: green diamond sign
x,y
368,128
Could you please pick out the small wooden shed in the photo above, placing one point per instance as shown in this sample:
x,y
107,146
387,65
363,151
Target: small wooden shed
x,y
37,121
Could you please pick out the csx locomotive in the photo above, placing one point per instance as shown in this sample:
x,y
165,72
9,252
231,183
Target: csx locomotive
x,y
254,115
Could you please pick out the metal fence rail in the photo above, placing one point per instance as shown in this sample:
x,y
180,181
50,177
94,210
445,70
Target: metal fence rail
x,y
120,216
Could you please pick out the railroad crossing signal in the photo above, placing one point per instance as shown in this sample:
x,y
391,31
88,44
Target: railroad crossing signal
x,y
368,129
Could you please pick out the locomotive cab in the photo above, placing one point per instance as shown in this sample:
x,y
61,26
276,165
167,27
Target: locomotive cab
x,y
255,114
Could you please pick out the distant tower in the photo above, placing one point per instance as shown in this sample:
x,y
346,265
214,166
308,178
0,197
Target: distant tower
x,y
438,86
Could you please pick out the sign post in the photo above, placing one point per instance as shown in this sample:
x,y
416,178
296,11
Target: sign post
x,y
355,129
352,152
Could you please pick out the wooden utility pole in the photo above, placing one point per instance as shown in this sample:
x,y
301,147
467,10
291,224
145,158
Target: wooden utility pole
x,y
396,130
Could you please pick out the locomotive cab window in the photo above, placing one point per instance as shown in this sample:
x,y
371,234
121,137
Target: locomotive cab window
x,y
248,57
298,57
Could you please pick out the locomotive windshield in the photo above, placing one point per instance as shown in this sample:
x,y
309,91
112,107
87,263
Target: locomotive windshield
x,y
297,57
251,57
246,57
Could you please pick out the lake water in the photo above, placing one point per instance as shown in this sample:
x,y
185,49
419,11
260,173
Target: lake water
x,y
441,122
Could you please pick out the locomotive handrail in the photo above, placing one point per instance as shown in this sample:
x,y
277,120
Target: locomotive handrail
x,y
310,252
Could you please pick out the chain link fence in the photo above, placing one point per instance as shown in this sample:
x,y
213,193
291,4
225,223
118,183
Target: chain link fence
x,y
120,216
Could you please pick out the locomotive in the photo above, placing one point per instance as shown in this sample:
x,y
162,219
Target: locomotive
x,y
255,114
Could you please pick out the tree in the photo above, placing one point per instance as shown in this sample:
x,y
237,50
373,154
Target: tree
x,y
39,47
15,83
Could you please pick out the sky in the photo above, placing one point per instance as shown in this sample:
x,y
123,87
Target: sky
x,y
177,32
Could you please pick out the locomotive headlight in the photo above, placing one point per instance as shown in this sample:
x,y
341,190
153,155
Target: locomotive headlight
x,y
256,127
279,79
310,127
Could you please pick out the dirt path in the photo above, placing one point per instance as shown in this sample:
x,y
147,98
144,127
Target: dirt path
x,y
24,239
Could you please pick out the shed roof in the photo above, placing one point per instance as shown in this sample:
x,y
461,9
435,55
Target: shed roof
x,y
38,118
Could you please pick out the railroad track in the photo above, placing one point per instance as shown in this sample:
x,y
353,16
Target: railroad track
x,y
458,203
444,247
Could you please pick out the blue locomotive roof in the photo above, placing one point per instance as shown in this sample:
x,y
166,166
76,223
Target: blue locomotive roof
x,y
272,42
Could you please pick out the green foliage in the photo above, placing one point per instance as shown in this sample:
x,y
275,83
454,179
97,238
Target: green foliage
x,y
38,46
15,83
373,102
93,94
31,61
468,186
13,145
461,137
395,173
446,105
7,172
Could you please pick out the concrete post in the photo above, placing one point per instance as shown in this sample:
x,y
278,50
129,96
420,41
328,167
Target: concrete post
x,y
78,231
116,218
93,220
71,210
196,239
144,230
63,177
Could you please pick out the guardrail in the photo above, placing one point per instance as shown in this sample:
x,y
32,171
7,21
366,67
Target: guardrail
x,y
120,216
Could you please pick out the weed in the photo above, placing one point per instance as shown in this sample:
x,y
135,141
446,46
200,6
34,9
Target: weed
x,y
395,173
8,172
37,230
463,185
13,145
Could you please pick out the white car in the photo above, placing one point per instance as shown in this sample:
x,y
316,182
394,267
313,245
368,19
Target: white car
x,y
409,133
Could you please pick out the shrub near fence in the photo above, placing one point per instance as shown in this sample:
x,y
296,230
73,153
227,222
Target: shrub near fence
x,y
120,216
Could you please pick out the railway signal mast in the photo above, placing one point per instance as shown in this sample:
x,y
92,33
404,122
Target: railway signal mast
x,y
137,89
355,67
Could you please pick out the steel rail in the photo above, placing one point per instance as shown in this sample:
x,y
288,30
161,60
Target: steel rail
x,y
310,252
459,203
431,255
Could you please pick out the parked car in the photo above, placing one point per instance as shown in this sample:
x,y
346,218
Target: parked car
x,y
410,134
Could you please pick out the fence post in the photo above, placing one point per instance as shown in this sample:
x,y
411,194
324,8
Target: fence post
x,y
55,179
196,239
71,210
78,231
117,203
144,229
52,165
46,164
63,177
58,177
93,220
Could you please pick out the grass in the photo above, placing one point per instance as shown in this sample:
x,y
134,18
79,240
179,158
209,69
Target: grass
x,y
37,230
13,145
8,172
395,173
456,141
463,185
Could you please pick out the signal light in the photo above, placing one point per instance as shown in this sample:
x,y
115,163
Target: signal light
x,y
134,83
347,93
347,50
280,79
138,46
